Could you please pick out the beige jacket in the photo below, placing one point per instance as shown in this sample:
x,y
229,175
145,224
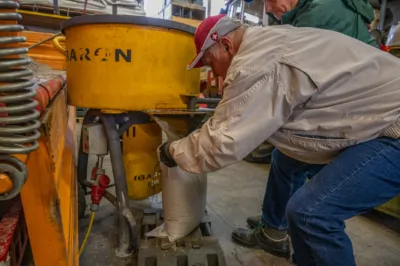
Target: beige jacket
x,y
309,92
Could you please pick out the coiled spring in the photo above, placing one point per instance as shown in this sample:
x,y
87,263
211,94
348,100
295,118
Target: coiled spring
x,y
18,117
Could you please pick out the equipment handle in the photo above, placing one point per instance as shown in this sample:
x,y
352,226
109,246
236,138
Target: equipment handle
x,y
58,46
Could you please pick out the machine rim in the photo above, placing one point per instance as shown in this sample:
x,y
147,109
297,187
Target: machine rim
x,y
127,19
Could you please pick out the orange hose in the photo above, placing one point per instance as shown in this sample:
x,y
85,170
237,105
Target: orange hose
x,y
46,91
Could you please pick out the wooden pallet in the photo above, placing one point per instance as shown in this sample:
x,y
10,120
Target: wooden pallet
x,y
198,248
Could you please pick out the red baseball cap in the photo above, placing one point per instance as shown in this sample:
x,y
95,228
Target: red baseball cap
x,y
208,33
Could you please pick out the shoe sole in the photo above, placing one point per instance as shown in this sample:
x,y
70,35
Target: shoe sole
x,y
274,252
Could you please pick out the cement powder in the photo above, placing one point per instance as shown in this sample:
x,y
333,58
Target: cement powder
x,y
184,198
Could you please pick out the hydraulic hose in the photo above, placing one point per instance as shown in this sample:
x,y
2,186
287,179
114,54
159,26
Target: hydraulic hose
x,y
127,229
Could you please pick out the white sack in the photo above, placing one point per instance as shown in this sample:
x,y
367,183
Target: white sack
x,y
184,198
393,38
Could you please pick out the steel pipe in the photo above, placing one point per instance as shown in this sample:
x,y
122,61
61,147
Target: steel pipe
x,y
382,15
242,6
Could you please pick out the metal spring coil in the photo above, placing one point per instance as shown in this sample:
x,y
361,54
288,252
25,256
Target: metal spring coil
x,y
18,118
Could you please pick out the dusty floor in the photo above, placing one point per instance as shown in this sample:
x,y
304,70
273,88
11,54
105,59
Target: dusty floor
x,y
233,194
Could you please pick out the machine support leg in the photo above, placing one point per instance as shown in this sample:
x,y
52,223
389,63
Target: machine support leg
x,y
127,231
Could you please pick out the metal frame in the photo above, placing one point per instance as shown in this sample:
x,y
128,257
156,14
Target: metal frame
x,y
127,229
230,5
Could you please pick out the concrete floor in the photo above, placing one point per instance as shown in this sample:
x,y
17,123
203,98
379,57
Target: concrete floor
x,y
233,194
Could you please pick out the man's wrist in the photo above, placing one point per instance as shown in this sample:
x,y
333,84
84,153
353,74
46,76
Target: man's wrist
x,y
165,155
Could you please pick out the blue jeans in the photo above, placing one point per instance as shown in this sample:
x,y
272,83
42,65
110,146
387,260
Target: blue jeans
x,y
360,178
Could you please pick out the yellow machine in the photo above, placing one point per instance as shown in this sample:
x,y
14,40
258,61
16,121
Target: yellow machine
x,y
125,63
120,67
126,70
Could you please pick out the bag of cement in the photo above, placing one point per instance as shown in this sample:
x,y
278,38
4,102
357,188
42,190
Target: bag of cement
x,y
184,198
393,38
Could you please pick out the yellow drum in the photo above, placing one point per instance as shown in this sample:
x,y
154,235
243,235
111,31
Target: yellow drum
x,y
128,62
143,174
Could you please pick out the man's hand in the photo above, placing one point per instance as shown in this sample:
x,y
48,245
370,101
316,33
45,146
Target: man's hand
x,y
165,156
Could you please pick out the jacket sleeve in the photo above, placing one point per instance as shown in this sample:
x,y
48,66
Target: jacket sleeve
x,y
321,14
254,107
361,7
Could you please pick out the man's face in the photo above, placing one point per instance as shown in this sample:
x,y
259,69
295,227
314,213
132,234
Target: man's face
x,y
279,7
220,58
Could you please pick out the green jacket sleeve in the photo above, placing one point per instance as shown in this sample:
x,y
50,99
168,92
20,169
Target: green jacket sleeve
x,y
361,7
345,16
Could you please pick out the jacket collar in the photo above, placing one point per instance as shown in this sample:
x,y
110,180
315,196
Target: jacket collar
x,y
288,17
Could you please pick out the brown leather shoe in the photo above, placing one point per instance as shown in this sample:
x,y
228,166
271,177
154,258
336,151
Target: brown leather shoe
x,y
254,221
272,241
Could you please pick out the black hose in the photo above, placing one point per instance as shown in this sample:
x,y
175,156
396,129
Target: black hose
x,y
194,101
127,229
126,212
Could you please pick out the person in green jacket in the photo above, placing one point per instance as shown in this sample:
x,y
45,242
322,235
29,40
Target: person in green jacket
x,y
350,17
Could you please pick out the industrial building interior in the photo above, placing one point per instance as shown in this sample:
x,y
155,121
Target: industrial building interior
x,y
80,180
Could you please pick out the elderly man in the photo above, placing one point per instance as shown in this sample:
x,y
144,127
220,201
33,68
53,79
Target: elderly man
x,y
333,116
349,17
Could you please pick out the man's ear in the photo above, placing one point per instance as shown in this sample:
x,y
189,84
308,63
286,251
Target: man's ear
x,y
228,45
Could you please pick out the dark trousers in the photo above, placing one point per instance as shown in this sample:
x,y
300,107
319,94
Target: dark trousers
x,y
359,179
